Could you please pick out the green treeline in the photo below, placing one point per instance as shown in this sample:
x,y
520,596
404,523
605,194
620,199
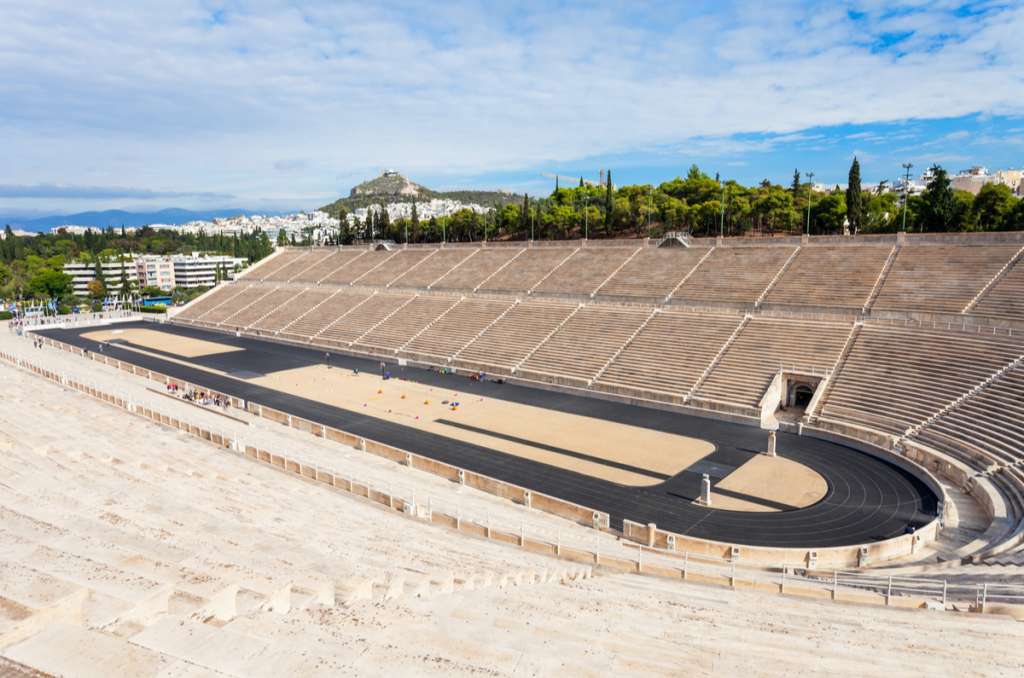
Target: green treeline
x,y
704,205
32,267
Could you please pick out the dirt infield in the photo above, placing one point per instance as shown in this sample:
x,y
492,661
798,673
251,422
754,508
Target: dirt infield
x,y
620,453
185,347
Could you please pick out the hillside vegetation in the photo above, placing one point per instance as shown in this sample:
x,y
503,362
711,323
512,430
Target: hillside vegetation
x,y
699,203
391,187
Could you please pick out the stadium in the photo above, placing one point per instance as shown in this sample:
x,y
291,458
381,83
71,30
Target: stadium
x,y
480,434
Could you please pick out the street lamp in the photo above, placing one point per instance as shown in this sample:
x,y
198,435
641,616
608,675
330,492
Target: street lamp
x,y
906,192
810,194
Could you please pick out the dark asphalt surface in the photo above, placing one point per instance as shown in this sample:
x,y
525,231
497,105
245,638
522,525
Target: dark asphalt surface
x,y
868,499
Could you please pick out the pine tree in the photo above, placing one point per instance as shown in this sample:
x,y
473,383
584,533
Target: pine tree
x,y
795,186
524,216
854,207
581,182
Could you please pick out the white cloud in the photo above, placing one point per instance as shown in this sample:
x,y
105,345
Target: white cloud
x,y
320,94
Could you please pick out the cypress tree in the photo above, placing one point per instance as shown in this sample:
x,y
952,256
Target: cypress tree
x,y
854,208
609,205
98,272
524,216
7,251
795,186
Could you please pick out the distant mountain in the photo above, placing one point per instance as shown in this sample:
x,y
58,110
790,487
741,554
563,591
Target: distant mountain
x,y
118,218
391,187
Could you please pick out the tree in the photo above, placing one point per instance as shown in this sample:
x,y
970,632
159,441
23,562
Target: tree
x,y
98,272
96,288
125,286
991,206
795,186
9,246
49,284
939,206
383,220
282,238
854,206
524,217
1014,219
829,213
609,206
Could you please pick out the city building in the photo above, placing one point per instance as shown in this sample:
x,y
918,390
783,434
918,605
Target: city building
x,y
204,270
82,273
197,269
971,180
155,271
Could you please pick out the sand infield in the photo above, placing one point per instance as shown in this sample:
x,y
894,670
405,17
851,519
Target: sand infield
x,y
629,455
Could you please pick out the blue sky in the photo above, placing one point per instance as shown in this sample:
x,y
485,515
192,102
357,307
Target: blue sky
x,y
285,105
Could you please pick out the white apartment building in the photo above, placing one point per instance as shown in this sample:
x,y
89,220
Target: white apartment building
x,y
83,273
973,179
200,270
166,272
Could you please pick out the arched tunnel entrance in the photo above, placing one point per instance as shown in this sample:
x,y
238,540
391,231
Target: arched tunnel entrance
x,y
801,396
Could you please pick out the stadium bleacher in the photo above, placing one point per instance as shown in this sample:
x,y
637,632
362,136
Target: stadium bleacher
x,y
896,377
668,356
940,278
836,277
763,347
652,274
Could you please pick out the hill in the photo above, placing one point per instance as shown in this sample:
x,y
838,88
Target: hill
x,y
392,187
117,218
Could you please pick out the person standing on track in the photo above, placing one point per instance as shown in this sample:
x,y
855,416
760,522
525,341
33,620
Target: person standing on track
x,y
327,359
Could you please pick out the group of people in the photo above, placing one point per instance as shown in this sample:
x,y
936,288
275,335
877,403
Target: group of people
x,y
199,397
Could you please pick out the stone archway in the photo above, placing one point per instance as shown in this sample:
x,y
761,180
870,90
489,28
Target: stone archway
x,y
800,395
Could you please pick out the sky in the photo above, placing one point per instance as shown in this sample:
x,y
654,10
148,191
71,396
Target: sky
x,y
286,105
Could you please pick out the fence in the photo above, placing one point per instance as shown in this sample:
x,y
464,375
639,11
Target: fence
x,y
73,319
666,562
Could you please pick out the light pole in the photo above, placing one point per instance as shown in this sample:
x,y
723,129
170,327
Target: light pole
x,y
906,192
810,194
